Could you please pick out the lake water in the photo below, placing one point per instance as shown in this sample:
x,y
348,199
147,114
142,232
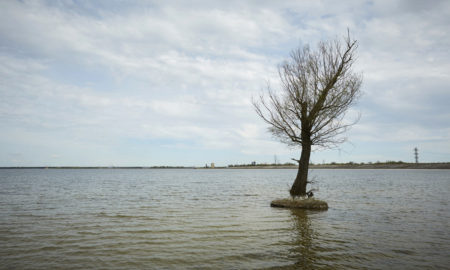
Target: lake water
x,y
221,219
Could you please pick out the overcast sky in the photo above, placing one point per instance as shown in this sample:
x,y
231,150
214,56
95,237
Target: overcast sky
x,y
146,83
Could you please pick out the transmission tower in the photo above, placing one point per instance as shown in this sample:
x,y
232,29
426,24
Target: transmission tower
x,y
416,155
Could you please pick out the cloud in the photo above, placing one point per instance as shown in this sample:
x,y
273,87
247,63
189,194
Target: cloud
x,y
182,74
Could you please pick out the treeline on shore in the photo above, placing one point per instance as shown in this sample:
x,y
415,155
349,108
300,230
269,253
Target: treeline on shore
x,y
287,165
101,167
383,165
354,165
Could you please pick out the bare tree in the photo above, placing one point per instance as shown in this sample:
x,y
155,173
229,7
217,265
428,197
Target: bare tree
x,y
317,88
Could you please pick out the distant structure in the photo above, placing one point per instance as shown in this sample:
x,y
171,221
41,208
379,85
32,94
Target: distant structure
x,y
416,155
253,163
212,165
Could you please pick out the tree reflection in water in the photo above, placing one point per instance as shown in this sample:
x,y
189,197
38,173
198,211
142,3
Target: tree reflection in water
x,y
303,249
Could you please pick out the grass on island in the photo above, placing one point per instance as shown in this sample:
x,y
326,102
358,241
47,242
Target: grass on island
x,y
309,203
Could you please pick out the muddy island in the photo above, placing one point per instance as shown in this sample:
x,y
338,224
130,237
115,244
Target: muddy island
x,y
309,203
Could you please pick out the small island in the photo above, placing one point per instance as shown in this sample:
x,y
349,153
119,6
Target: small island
x,y
309,203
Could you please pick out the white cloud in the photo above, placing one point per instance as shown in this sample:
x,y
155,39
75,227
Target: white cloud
x,y
187,72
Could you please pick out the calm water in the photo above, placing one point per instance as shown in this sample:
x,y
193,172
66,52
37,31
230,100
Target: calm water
x,y
221,219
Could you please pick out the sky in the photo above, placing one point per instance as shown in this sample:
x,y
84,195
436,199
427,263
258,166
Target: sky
x,y
152,83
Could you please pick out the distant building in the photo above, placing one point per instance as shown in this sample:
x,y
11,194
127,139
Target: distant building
x,y
212,165
253,163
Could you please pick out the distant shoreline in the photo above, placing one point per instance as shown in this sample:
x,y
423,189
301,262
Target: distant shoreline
x,y
440,165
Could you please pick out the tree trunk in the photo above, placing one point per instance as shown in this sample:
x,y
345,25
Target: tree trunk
x,y
299,186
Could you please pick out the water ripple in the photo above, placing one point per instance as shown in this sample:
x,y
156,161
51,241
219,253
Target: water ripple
x,y
221,219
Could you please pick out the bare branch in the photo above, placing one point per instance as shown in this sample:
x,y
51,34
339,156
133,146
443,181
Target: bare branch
x,y
318,88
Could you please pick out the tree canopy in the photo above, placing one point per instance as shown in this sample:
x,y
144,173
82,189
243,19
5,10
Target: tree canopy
x,y
317,88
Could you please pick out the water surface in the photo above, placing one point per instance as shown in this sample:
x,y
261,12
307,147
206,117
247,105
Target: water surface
x,y
221,219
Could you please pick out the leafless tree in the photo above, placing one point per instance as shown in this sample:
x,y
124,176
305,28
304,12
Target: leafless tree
x,y
317,88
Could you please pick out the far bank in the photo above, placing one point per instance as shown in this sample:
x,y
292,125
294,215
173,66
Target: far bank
x,y
400,165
